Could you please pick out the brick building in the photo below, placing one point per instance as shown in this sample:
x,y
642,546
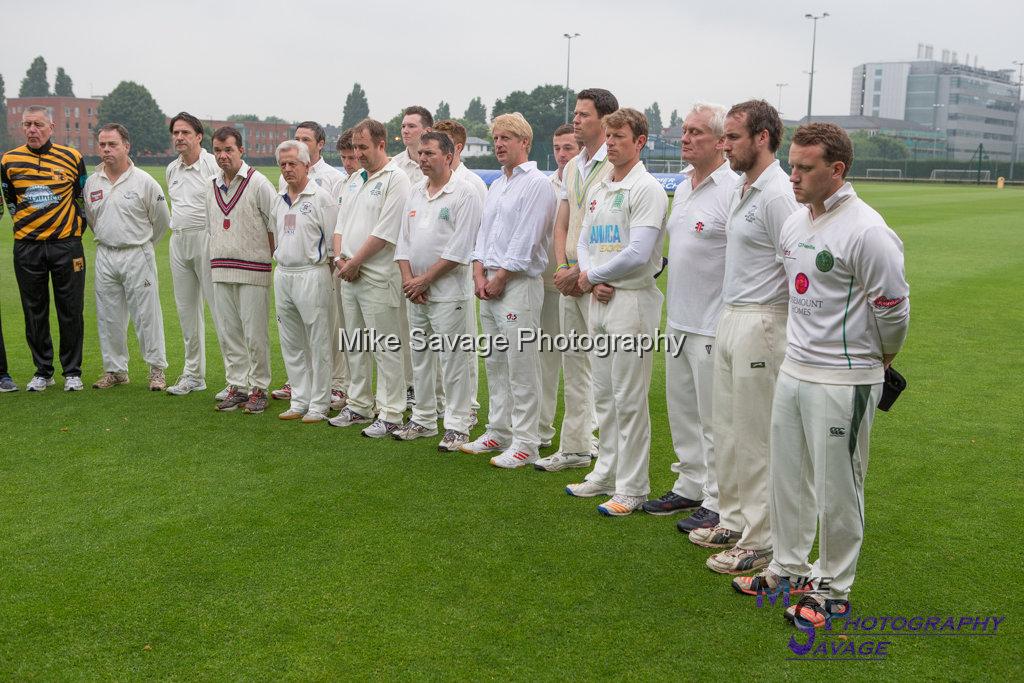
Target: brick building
x,y
74,119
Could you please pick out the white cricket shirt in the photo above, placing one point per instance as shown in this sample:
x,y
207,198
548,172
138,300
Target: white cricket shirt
x,y
753,267
126,213
441,227
613,209
848,295
371,205
696,252
303,227
466,175
409,165
323,174
187,185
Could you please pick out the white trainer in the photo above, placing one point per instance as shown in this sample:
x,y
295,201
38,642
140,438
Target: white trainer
x,y
39,383
588,489
620,506
73,383
557,462
485,443
223,393
413,430
381,428
348,417
512,459
186,384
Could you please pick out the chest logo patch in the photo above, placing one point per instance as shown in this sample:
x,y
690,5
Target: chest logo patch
x,y
95,195
445,215
699,227
593,205
824,261
40,197
751,214
305,208
376,190
801,283
620,197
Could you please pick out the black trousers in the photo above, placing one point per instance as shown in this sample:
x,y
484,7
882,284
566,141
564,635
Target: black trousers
x,y
35,263
3,353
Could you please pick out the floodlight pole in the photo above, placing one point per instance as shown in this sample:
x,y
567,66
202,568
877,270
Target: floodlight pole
x,y
568,56
814,43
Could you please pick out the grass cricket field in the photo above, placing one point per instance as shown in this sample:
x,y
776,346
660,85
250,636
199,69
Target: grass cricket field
x,y
148,536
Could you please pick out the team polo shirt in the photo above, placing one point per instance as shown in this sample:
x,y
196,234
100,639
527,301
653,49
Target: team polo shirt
x,y
516,224
129,212
848,295
441,227
187,185
42,187
371,206
303,227
613,209
466,175
409,166
579,177
548,276
753,267
696,252
324,175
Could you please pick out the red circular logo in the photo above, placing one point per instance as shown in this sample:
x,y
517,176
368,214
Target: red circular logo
x,y
801,282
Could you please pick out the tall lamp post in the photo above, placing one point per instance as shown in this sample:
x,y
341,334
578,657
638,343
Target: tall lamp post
x,y
568,56
814,42
1016,119
780,86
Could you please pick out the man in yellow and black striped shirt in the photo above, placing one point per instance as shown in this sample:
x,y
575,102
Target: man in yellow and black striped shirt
x,y
42,183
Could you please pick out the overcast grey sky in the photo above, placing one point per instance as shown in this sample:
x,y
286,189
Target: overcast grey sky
x,y
299,60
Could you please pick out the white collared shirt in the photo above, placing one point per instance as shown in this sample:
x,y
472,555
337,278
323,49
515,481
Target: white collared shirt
x,y
130,212
848,296
516,224
409,166
579,177
615,208
753,257
441,227
696,251
259,195
371,205
187,185
303,227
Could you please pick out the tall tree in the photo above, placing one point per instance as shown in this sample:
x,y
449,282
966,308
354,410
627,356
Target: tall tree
x,y
443,111
394,128
62,86
476,111
5,141
242,117
544,109
35,83
653,114
273,119
131,105
675,119
356,107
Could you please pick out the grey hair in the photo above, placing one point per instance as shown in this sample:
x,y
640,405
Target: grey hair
x,y
717,113
39,109
292,144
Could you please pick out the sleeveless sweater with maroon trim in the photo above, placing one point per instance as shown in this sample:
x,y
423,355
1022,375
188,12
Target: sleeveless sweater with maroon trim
x,y
239,223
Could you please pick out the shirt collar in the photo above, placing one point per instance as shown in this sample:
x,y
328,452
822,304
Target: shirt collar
x,y
520,169
631,178
310,188
449,187
102,170
389,167
243,171
839,196
766,176
42,149
195,164
319,166
600,155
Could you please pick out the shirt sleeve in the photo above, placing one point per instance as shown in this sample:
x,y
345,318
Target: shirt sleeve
x,y
583,249
878,266
467,223
266,202
159,215
642,242
402,248
90,217
389,221
538,205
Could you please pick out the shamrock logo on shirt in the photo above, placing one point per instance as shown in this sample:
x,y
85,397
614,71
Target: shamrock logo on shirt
x,y
444,215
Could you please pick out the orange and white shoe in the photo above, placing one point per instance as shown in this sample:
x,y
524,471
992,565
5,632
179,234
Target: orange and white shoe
x,y
485,443
620,506
511,459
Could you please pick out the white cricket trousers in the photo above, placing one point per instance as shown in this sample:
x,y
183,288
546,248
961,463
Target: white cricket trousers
x,y
376,309
513,376
445,319
190,275
578,418
305,301
622,381
339,363
240,312
126,285
820,439
550,366
751,342
689,378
